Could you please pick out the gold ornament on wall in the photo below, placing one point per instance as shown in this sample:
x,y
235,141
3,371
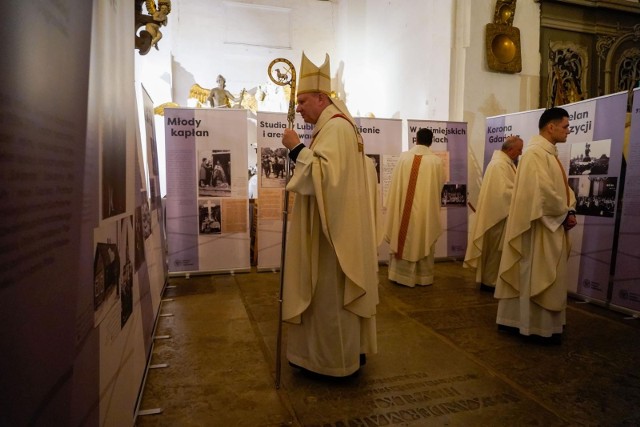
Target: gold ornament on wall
x,y
157,17
502,39
567,69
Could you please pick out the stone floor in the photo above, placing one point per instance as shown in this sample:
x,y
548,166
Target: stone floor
x,y
441,362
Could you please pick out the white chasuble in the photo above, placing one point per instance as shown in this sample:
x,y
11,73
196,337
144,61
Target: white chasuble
x,y
485,244
415,265
531,283
330,289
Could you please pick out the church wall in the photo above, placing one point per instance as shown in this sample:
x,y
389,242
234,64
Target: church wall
x,y
396,57
392,56
488,93
239,39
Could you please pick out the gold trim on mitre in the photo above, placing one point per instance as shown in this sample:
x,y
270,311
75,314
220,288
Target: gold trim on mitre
x,y
314,78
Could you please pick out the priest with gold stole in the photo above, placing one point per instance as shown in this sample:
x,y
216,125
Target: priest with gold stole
x,y
532,279
487,236
330,283
413,213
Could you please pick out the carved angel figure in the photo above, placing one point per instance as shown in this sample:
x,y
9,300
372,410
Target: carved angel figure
x,y
159,15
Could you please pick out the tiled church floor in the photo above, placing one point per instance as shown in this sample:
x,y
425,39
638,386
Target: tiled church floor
x,y
441,361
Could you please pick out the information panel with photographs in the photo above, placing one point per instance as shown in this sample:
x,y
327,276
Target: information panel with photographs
x,y
382,140
151,238
626,280
592,157
272,166
207,190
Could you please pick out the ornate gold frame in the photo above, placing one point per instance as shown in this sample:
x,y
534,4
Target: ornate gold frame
x,y
502,40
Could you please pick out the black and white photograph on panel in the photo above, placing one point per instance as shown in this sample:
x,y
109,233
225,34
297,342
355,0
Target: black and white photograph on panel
x,y
154,176
273,167
154,193
113,260
454,194
106,272
126,287
114,171
595,195
376,163
139,255
209,216
146,216
590,158
214,175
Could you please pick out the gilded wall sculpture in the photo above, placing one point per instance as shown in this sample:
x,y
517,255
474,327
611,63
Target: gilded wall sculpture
x,y
502,39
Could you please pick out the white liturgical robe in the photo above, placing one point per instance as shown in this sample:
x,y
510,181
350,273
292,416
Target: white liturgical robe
x,y
485,243
532,283
330,288
415,265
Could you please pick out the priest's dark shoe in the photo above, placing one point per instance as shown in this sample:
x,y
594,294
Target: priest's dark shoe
x,y
508,329
487,288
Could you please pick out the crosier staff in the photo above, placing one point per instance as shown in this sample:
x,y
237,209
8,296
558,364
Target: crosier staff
x,y
283,78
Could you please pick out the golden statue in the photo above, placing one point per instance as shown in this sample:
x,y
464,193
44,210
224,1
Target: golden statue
x,y
150,35
220,97
159,15
159,110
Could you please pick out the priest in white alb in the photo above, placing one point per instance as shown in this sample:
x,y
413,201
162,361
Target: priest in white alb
x,y
486,238
413,213
532,279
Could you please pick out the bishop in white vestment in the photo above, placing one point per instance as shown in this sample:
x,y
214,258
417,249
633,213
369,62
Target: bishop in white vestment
x,y
330,288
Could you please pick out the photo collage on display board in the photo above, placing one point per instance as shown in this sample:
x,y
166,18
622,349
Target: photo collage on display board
x,y
214,181
209,216
273,164
214,176
588,169
113,270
